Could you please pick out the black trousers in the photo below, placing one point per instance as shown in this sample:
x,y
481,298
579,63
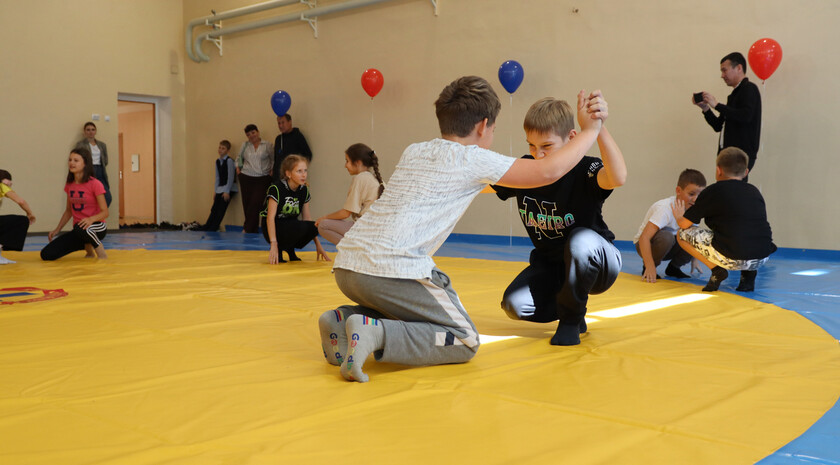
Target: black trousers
x,y
253,190
13,230
74,240
291,233
551,290
217,212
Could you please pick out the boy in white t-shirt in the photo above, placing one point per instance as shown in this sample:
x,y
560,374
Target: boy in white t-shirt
x,y
406,310
656,240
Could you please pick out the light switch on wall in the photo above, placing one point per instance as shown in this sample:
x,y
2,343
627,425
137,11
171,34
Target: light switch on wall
x,y
135,162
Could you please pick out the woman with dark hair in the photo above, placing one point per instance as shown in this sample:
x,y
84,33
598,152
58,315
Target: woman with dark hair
x,y
99,155
254,167
86,205
361,163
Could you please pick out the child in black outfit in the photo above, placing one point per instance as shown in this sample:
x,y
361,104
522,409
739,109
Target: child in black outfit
x,y
573,254
740,237
285,202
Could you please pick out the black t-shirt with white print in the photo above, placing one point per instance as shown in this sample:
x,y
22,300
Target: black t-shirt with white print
x,y
549,213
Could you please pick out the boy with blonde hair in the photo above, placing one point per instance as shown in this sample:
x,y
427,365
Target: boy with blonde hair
x,y
739,237
573,254
406,309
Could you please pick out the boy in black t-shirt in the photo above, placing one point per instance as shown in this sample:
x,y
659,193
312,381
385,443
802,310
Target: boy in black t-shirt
x,y
573,255
740,237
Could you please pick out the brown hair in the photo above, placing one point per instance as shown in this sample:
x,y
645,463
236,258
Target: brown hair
x,y
365,154
89,123
88,170
226,143
5,175
290,162
549,115
465,102
690,176
733,162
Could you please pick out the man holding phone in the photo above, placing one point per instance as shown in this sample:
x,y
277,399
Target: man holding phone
x,y
739,121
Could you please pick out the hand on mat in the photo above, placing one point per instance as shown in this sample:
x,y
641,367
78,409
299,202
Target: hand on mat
x,y
321,253
650,274
695,266
273,255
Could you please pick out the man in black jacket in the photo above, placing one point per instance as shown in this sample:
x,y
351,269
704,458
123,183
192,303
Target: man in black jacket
x,y
739,120
289,141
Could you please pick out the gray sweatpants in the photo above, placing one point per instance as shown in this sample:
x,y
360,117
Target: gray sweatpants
x,y
424,321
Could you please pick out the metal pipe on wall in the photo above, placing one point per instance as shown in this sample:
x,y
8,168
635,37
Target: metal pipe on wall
x,y
298,16
235,13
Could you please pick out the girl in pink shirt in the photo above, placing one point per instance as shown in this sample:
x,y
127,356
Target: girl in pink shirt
x,y
86,205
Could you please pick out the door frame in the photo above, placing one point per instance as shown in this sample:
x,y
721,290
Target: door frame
x,y
163,150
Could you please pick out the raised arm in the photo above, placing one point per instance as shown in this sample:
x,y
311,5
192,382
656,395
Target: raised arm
x,y
526,173
614,172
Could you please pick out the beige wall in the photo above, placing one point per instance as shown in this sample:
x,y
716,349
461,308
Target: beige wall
x,y
647,56
62,61
72,58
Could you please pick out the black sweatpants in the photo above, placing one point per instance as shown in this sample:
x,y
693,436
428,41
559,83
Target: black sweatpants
x,y
13,230
551,290
291,233
74,240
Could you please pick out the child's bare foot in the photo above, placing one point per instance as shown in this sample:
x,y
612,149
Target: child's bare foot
x,y
89,251
100,253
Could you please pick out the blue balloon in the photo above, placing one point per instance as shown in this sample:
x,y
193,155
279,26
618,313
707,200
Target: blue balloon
x,y
511,75
280,102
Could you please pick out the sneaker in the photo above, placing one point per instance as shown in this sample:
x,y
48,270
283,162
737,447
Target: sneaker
x,y
6,261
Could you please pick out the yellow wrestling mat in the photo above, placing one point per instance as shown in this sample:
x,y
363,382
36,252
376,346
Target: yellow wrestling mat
x,y
213,357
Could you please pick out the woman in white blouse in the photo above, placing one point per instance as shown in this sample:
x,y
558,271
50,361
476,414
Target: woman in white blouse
x,y
99,152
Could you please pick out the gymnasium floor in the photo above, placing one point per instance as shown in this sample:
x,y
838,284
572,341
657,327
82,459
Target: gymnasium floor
x,y
185,347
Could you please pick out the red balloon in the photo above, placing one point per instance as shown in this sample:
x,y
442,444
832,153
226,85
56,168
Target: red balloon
x,y
764,57
372,81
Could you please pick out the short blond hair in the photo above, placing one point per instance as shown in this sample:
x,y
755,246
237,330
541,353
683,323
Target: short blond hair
x,y
549,115
733,162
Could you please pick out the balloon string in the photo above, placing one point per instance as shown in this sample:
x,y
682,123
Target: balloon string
x,y
372,139
761,123
512,199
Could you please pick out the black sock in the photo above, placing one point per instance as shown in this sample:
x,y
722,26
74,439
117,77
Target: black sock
x,y
675,272
292,256
566,335
747,282
719,274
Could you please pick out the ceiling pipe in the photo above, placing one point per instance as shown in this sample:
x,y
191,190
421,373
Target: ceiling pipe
x,y
299,16
235,13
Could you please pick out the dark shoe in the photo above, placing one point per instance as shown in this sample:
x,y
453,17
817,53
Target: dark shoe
x,y
719,274
747,283
675,272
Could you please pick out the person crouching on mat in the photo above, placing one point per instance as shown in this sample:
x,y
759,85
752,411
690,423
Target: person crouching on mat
x,y
86,205
13,228
286,201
